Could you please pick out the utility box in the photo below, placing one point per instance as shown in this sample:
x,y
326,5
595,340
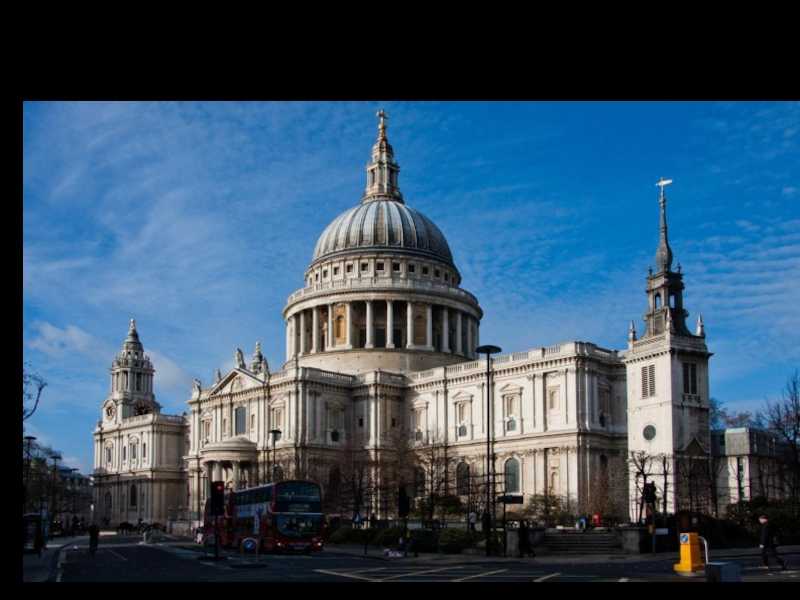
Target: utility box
x,y
723,571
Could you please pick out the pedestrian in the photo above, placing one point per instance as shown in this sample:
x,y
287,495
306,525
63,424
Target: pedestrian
x,y
768,544
94,538
525,548
38,540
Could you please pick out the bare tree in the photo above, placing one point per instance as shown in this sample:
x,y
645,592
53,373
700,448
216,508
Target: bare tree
x,y
433,460
32,386
782,417
641,464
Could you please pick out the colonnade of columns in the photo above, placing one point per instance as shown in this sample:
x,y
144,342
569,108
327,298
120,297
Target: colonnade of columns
x,y
323,338
240,472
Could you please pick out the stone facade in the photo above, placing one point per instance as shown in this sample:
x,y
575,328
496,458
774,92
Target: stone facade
x,y
138,451
382,339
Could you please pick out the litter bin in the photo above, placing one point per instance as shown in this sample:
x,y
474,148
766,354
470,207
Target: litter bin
x,y
723,571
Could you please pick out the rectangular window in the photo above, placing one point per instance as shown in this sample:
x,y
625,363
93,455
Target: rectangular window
x,y
316,276
144,450
335,270
648,381
436,273
447,276
395,267
364,267
689,378
252,422
424,270
133,451
379,266
412,268
360,421
124,454
324,273
108,455
350,268
138,382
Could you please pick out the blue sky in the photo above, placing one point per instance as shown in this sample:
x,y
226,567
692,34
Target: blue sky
x,y
198,219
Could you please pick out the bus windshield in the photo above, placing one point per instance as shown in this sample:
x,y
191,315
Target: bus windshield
x,y
299,526
298,492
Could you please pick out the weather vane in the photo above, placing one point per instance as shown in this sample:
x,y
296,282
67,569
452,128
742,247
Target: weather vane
x,y
662,183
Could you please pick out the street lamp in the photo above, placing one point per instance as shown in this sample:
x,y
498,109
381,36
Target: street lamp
x,y
488,350
275,433
29,439
54,510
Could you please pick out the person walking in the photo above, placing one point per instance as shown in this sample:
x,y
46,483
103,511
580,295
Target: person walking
x,y
94,538
525,548
38,540
767,543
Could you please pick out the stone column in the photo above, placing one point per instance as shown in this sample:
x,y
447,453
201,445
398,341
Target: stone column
x,y
477,333
348,325
429,326
389,324
445,329
315,329
409,325
302,332
468,350
544,402
564,396
459,349
288,339
236,473
331,340
216,470
370,333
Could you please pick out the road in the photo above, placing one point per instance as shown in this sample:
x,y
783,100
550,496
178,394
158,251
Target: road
x,y
125,559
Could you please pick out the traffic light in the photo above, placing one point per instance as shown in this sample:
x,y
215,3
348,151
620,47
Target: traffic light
x,y
217,498
404,503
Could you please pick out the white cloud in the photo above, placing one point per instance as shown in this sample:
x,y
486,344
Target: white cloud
x,y
57,342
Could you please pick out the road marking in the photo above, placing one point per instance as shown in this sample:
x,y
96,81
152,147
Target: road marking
x,y
368,570
546,577
345,575
415,573
481,575
622,579
117,554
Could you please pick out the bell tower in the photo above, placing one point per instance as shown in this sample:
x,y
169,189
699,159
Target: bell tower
x,y
132,379
667,379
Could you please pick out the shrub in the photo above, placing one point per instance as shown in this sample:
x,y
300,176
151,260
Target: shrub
x,y
387,536
348,535
453,541
424,540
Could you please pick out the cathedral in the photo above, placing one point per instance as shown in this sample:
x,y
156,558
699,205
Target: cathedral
x,y
382,340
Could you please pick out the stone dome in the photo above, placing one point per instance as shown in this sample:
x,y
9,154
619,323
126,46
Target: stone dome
x,y
383,224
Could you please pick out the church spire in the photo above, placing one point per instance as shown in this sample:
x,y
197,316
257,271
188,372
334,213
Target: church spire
x,y
664,252
700,330
132,342
382,171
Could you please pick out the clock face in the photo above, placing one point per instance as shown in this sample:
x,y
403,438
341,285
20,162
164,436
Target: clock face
x,y
110,411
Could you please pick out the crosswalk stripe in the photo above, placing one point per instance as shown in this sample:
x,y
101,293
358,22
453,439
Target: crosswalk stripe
x,y
546,577
480,575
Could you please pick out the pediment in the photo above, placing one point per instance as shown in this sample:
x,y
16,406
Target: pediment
x,y
510,388
462,396
236,381
695,448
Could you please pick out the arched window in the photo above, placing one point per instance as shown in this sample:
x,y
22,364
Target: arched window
x,y
240,420
672,300
512,476
339,327
124,454
462,479
554,483
658,301
419,482
133,496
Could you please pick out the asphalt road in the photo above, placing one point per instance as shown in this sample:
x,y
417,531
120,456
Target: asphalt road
x,y
123,560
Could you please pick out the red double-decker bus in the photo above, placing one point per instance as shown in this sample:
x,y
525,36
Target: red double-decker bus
x,y
285,516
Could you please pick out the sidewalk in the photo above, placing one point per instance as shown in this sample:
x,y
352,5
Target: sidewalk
x,y
35,569
375,552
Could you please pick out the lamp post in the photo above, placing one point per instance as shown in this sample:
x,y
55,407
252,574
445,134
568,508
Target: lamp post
x,y
488,350
54,509
274,433
29,439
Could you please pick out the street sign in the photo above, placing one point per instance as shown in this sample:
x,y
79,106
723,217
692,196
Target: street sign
x,y
508,499
684,538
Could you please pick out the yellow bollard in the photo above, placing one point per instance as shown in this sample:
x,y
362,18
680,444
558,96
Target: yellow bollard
x,y
691,556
